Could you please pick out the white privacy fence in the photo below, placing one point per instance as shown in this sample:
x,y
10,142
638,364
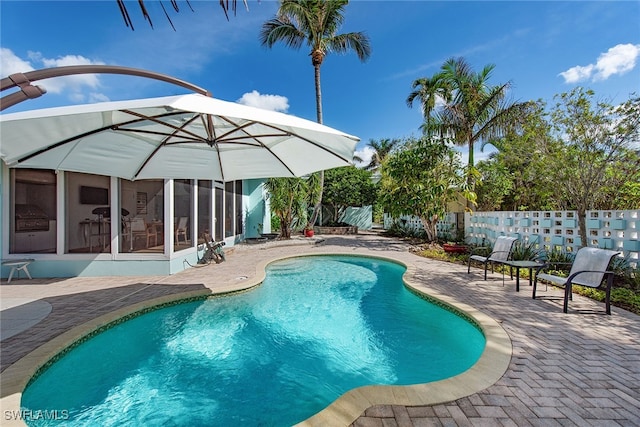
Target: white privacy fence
x,y
612,229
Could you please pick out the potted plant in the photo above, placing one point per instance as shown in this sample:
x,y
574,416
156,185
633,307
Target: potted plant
x,y
457,244
455,248
308,231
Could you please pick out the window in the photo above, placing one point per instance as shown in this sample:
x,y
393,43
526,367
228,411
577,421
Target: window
x,y
88,213
239,219
33,211
229,222
205,200
143,227
219,209
183,214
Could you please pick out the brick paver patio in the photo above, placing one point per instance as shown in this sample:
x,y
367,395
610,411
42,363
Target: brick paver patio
x,y
580,368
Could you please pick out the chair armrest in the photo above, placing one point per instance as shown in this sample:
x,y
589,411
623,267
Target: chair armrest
x,y
497,252
477,249
573,276
547,265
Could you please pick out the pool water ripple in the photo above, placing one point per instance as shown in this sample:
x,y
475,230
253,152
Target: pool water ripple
x,y
316,328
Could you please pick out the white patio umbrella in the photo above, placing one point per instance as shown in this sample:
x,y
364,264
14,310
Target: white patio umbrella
x,y
189,136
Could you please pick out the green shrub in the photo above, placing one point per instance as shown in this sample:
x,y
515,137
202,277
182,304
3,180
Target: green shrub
x,y
526,252
626,298
399,228
559,261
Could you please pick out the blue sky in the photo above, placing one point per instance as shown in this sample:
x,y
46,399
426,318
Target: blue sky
x,y
543,47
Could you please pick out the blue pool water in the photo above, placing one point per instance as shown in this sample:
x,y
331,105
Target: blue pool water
x,y
273,356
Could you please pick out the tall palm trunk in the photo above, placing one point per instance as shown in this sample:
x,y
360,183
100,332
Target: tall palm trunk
x,y
470,179
314,23
318,205
318,92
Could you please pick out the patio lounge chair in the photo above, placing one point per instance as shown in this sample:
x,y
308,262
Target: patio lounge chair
x,y
588,269
501,252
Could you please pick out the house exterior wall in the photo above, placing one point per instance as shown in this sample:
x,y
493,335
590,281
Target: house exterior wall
x,y
258,212
61,263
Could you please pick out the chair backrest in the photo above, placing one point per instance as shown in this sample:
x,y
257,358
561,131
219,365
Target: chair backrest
x,y
138,224
502,248
182,223
593,259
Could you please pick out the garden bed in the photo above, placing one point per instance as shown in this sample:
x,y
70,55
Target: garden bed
x,y
336,230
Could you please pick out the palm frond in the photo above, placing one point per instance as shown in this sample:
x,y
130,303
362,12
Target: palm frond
x,y
226,5
357,42
281,29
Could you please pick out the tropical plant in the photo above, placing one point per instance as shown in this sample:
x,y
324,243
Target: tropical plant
x,y
471,110
381,149
400,228
515,176
314,23
596,139
288,198
348,186
526,251
420,180
431,92
122,4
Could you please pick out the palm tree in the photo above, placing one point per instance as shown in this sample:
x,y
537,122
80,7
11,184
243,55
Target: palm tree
x,y
381,150
473,110
314,23
224,4
431,92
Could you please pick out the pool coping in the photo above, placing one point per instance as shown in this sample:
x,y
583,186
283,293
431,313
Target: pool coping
x,y
489,368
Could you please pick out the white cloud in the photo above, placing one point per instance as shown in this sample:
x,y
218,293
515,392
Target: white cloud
x,y
577,74
73,87
11,64
266,102
619,59
365,154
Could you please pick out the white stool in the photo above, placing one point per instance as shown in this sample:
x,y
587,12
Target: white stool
x,y
17,265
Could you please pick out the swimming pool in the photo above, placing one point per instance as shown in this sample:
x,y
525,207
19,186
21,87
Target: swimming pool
x,y
316,328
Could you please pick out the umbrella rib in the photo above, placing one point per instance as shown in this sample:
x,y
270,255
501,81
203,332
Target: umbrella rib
x,y
177,129
167,135
61,143
253,137
284,133
95,131
211,131
164,141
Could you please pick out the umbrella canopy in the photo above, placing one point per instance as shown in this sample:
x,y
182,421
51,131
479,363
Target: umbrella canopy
x,y
188,136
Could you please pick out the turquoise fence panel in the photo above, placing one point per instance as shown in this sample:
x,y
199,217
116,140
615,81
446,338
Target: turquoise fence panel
x,y
619,224
605,243
631,245
594,223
